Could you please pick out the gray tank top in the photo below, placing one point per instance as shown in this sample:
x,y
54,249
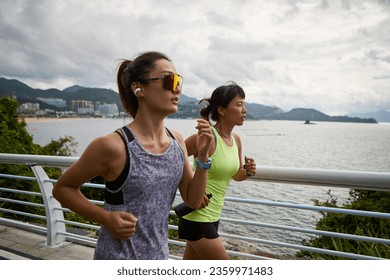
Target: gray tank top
x,y
146,188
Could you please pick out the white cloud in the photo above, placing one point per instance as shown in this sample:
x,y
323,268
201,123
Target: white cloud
x,y
329,55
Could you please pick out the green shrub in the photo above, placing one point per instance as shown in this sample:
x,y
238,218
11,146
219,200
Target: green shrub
x,y
357,225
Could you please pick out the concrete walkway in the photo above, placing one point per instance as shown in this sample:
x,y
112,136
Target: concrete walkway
x,y
17,244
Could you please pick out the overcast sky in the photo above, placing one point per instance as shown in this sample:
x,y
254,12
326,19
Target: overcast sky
x,y
333,56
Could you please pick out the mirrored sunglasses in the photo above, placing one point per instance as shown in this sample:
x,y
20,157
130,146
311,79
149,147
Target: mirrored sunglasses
x,y
170,81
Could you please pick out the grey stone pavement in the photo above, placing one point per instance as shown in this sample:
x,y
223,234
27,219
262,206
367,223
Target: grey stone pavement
x,y
17,244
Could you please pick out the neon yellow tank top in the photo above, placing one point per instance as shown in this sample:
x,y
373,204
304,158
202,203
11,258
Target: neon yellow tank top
x,y
225,163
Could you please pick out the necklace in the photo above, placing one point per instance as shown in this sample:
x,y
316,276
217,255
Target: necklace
x,y
228,138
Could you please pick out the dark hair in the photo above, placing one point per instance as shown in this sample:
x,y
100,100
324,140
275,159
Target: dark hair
x,y
220,97
135,71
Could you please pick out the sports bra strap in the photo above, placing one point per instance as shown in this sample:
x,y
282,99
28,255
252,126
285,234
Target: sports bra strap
x,y
111,193
129,135
170,134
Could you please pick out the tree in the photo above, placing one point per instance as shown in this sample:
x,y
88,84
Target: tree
x,y
357,225
15,139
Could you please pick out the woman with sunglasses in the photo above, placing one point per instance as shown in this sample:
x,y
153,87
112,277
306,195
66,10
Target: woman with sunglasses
x,y
142,163
200,227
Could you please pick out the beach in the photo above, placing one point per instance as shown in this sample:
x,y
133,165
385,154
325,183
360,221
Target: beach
x,y
45,119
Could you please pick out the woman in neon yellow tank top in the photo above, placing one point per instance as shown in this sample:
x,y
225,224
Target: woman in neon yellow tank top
x,y
200,228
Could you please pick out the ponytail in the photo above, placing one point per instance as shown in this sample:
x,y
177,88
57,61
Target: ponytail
x,y
128,99
205,111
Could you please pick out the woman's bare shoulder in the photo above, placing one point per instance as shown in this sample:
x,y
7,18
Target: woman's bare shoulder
x,y
109,145
177,135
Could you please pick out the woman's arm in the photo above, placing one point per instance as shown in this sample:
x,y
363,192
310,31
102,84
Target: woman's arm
x,y
193,185
246,169
100,158
190,144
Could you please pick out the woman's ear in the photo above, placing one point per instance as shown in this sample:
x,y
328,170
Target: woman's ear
x,y
136,89
134,86
221,111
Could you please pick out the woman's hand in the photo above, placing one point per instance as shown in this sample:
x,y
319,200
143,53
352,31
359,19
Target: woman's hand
x,y
250,166
205,202
204,139
121,224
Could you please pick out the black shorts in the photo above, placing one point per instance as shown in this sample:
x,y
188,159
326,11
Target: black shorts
x,y
193,231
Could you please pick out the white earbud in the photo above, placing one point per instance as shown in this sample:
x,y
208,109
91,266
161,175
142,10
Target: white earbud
x,y
137,91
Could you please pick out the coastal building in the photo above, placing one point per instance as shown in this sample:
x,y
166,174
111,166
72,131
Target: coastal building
x,y
28,108
107,110
83,107
57,102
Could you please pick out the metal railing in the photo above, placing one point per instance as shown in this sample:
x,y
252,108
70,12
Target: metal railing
x,y
58,229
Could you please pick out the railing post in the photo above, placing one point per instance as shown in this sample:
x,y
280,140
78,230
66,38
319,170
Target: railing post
x,y
52,215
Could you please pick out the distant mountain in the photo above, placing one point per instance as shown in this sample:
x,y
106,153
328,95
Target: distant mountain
x,y
303,114
188,106
187,99
380,116
10,85
258,111
25,93
74,88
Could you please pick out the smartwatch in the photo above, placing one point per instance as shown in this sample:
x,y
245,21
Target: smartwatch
x,y
203,165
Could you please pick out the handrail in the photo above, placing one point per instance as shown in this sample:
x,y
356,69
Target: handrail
x,y
56,224
314,208
31,160
378,181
